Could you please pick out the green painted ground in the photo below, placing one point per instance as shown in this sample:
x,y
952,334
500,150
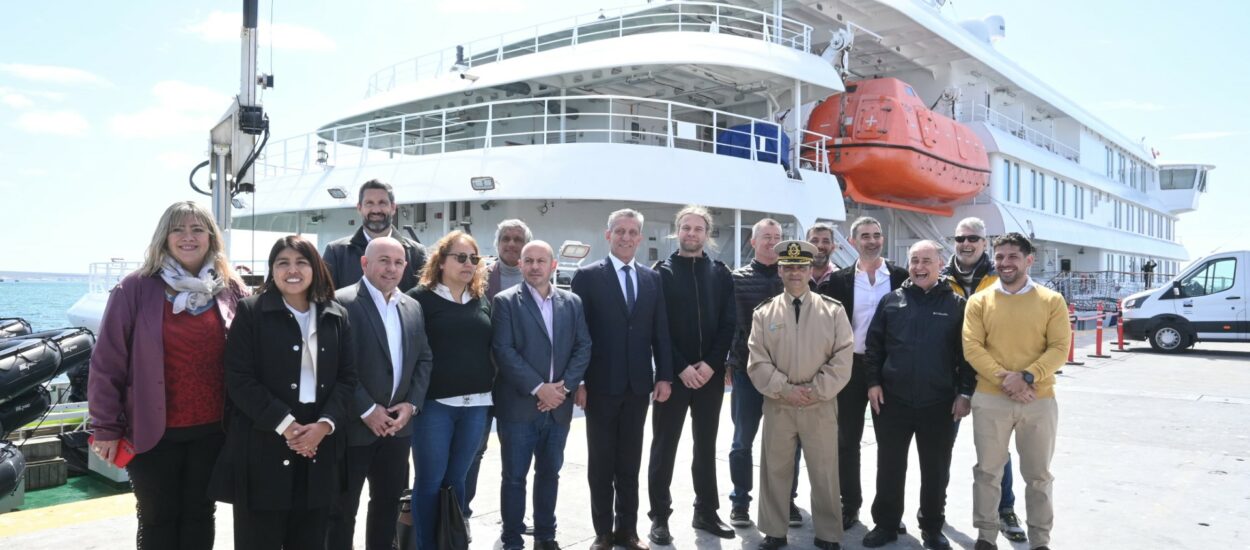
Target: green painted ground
x,y
76,489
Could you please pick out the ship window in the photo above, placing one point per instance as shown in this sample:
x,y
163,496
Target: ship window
x,y
1178,179
1016,176
1058,196
1033,183
1110,163
1216,276
1007,179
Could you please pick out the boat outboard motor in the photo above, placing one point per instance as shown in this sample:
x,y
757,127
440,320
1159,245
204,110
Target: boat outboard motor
x,y
26,364
12,468
13,326
24,409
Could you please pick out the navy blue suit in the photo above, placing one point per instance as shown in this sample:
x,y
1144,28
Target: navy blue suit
x,y
618,383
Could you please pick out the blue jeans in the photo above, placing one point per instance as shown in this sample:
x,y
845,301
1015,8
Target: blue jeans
x,y
542,440
1007,502
747,409
444,441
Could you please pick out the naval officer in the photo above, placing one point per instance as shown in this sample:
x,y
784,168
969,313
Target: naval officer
x,y
800,358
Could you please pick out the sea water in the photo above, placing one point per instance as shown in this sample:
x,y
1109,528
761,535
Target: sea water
x,y
41,303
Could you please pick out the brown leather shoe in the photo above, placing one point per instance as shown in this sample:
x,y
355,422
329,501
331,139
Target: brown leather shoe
x,y
602,542
630,541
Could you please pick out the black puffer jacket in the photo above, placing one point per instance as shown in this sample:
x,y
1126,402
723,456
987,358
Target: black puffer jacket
x,y
753,284
698,293
915,346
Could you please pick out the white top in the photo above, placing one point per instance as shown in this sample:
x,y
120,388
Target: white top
x,y
617,264
308,363
867,296
1028,285
389,311
546,307
472,400
369,238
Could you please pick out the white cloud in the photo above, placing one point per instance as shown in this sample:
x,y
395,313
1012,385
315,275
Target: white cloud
x,y
16,100
479,6
52,74
1131,105
55,123
180,108
224,27
1204,136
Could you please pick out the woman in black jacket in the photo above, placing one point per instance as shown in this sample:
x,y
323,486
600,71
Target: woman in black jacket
x,y
289,374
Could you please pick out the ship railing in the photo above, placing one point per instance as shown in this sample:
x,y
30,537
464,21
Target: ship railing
x,y
705,17
1087,289
540,121
103,276
975,112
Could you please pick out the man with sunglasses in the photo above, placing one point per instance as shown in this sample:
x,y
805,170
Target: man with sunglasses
x,y
377,207
971,271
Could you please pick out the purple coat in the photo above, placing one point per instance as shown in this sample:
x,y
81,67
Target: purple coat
x,y
126,387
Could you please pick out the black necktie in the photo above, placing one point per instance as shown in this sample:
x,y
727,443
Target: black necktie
x,y
798,304
629,289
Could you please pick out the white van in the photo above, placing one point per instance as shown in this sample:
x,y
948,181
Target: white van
x,y
1207,302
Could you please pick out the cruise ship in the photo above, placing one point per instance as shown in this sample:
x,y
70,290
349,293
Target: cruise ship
x,y
803,111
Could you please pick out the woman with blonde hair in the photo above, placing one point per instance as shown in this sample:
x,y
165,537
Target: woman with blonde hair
x,y
447,432
156,386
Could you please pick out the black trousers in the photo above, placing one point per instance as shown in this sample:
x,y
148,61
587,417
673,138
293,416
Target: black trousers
x,y
614,430
385,464
171,489
852,401
668,420
934,432
297,528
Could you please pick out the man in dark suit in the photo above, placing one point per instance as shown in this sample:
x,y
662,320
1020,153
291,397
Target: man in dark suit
x,y
542,348
377,207
625,311
393,366
859,287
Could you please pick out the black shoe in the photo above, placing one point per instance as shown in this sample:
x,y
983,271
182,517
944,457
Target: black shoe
x,y
659,532
983,544
740,517
879,536
826,545
934,539
849,519
902,528
796,517
710,522
772,543
1042,548
547,545
602,542
630,541
1009,524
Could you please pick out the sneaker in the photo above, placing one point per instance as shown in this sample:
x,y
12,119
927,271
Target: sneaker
x,y
1009,524
740,517
796,517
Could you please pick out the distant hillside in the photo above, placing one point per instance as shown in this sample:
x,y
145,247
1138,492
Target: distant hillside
x,y
8,276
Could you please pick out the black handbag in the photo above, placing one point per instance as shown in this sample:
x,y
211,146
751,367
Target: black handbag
x,y
452,533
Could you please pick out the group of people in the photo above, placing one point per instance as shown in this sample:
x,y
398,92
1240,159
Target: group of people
x,y
342,367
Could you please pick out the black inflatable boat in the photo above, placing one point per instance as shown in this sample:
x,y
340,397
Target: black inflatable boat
x,y
12,468
13,326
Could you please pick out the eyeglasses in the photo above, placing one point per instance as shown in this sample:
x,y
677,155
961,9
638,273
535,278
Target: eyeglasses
x,y
466,258
969,238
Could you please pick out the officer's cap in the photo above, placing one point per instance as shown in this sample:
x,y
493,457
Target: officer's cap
x,y
795,252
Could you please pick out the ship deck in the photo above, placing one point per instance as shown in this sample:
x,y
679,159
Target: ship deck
x,y
1152,452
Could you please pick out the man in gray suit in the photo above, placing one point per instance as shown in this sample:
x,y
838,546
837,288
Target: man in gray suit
x,y
393,363
542,347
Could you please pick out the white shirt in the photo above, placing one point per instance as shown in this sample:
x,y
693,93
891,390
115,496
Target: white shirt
x,y
472,400
369,238
620,275
867,296
546,308
1028,285
389,311
308,363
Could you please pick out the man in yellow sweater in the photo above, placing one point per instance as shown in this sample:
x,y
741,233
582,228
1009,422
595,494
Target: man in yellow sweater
x,y
1016,336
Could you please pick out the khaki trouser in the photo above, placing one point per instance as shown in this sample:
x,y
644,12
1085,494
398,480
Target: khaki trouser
x,y
816,427
994,418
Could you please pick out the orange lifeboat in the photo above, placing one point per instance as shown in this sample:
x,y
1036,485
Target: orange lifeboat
x,y
892,151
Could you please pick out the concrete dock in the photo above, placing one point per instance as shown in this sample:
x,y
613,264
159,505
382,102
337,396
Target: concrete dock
x,y
1152,452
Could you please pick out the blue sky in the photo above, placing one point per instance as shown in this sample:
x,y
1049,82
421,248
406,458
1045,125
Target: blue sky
x,y
105,106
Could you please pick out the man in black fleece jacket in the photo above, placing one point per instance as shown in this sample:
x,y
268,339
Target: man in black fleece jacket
x,y
700,302
753,284
915,369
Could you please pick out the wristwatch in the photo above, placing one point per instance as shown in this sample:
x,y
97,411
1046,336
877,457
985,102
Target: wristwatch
x,y
1028,378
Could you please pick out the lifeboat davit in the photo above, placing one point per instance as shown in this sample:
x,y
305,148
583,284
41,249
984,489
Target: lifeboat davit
x,y
892,151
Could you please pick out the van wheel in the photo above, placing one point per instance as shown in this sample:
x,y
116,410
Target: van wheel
x,y
1169,338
